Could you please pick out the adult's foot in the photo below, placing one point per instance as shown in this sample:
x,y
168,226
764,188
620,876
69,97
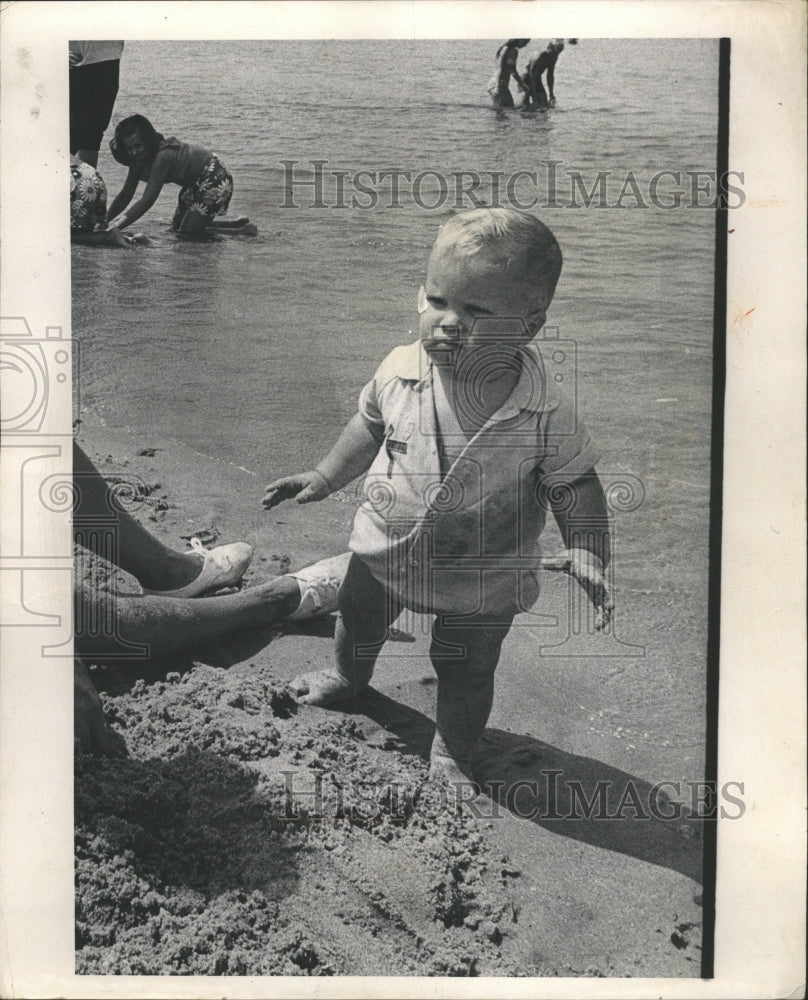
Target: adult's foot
x,y
323,687
202,570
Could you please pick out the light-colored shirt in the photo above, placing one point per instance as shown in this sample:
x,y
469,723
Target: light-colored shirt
x,y
96,52
466,538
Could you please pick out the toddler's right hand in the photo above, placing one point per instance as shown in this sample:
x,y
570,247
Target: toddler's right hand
x,y
304,487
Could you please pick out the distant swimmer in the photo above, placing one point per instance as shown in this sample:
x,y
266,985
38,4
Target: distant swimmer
x,y
507,55
205,184
544,61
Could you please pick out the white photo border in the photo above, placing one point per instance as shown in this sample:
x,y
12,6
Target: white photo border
x,y
760,895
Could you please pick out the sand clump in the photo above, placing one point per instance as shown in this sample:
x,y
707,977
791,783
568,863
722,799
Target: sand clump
x,y
235,840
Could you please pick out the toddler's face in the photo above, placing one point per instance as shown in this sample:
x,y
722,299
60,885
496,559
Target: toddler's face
x,y
471,303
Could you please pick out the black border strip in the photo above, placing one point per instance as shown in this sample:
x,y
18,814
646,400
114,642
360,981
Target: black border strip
x,y
716,505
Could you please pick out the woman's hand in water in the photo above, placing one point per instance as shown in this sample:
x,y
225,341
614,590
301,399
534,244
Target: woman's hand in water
x,y
304,487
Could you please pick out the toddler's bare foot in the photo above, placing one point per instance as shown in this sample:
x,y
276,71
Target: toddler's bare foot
x,y
324,687
456,776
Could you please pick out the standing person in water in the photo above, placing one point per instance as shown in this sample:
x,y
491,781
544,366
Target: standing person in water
x,y
94,78
538,65
206,186
507,55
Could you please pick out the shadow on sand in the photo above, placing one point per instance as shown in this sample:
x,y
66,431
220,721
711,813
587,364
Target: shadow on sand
x,y
569,795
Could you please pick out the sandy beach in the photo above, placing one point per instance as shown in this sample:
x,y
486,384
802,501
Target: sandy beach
x,y
247,835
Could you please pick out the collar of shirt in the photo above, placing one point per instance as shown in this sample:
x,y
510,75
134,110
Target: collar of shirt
x,y
535,391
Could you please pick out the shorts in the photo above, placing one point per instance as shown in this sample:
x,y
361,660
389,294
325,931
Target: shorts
x,y
209,194
88,198
93,90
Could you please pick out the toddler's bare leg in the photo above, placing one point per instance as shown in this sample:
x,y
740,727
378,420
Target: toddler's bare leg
x,y
465,693
366,611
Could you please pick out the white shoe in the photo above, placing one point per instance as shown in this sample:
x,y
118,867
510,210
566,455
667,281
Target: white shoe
x,y
319,587
224,566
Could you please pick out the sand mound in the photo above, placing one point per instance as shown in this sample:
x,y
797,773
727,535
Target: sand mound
x,y
235,840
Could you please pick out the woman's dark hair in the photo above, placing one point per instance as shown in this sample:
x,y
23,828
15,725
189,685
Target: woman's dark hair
x,y
518,43
135,125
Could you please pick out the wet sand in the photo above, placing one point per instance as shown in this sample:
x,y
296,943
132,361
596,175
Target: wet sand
x,y
246,835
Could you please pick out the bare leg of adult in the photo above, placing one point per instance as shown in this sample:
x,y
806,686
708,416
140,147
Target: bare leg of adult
x,y
154,565
166,625
88,156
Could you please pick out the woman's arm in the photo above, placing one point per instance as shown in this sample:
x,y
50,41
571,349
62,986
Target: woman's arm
x,y
516,77
512,71
125,195
157,178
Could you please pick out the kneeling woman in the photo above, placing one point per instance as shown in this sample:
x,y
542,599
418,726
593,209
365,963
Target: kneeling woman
x,y
206,186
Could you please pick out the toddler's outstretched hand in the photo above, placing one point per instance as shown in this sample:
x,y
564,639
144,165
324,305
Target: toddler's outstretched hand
x,y
588,571
304,487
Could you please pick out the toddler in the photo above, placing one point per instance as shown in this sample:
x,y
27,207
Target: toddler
x,y
466,443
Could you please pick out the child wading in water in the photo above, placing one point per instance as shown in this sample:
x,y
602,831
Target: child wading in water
x,y
206,186
467,444
507,55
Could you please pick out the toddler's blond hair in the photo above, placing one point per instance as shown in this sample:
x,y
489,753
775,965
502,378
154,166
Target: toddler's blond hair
x,y
516,240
